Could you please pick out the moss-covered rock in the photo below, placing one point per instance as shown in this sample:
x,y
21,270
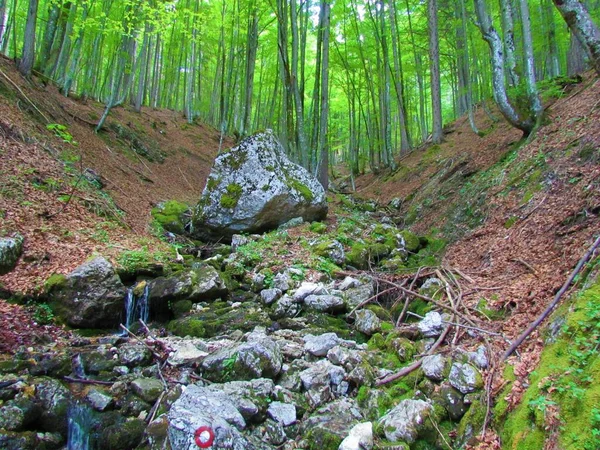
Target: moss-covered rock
x,y
172,215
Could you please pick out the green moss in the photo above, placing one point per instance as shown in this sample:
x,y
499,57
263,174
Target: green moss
x,y
387,326
510,222
318,227
231,198
236,159
181,308
213,183
567,380
319,438
411,240
189,326
302,189
55,281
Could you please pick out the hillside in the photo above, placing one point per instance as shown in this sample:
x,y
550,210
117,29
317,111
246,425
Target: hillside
x,y
501,222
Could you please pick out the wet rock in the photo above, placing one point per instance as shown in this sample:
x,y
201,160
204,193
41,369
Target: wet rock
x,y
325,303
198,284
431,325
359,438
284,413
406,420
465,378
91,296
254,187
148,389
452,401
54,399
434,367
134,354
95,362
99,400
321,344
201,407
18,413
270,296
123,436
11,249
367,322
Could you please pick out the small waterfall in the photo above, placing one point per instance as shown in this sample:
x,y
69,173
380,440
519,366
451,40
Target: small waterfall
x,y
80,420
77,366
136,308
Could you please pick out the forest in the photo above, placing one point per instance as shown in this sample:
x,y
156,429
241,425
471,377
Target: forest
x,y
352,80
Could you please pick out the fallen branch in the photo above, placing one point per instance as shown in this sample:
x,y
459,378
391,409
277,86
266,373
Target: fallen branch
x,y
86,381
25,96
154,353
584,259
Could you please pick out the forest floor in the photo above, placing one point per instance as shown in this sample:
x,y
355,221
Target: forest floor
x,y
517,219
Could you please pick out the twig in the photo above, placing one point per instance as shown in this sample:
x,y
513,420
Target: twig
x,y
439,432
155,407
161,376
557,298
25,96
154,353
86,381
370,299
526,264
184,177
415,365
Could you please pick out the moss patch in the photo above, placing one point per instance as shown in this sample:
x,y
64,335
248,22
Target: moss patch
x,y
302,189
231,198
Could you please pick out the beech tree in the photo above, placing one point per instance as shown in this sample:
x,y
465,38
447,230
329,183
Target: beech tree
x,y
28,56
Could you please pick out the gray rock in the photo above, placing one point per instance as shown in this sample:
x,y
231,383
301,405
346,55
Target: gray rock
x,y
285,307
406,420
356,296
292,223
331,249
99,400
275,433
11,249
367,322
465,378
359,438
187,352
332,422
254,187
238,240
431,325
200,407
258,282
284,413
306,289
395,203
434,367
148,389
321,344
345,357
349,283
283,281
325,303
322,382
259,357
249,397
479,358
270,296
92,296
18,413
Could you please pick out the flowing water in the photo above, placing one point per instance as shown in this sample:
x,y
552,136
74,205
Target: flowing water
x,y
80,419
136,308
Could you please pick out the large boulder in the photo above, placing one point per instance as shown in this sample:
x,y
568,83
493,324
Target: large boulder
x,y
254,187
10,251
92,296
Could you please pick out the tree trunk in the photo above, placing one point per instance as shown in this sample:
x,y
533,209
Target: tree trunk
x,y
491,36
508,32
583,28
529,70
49,34
26,63
2,18
301,146
251,49
70,74
323,174
434,55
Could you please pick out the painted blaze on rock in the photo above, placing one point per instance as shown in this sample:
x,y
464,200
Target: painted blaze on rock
x,y
254,187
